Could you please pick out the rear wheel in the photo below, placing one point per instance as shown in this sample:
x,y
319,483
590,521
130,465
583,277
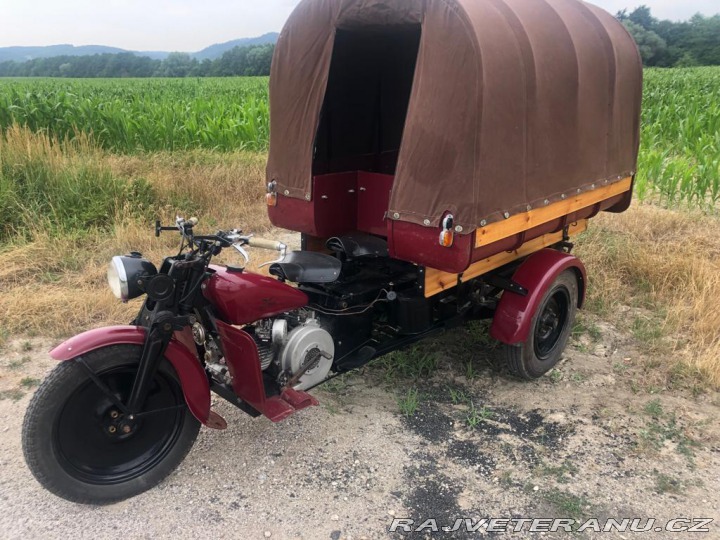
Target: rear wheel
x,y
550,330
79,444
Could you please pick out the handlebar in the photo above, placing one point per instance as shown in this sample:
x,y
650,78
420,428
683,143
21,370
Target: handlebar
x,y
262,243
232,238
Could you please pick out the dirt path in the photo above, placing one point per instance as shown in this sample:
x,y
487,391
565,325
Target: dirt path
x,y
579,443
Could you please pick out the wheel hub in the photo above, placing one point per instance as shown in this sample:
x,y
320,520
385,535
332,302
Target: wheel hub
x,y
98,442
550,323
118,425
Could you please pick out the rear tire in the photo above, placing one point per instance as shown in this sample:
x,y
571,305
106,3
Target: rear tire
x,y
549,331
74,438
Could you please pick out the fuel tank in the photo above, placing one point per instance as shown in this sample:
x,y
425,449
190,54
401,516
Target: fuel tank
x,y
244,297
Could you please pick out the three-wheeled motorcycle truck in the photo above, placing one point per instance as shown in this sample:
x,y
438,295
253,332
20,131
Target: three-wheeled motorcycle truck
x,y
438,157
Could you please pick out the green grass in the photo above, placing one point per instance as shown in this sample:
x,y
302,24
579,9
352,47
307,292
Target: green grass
x,y
664,427
567,504
29,382
131,115
412,363
668,484
14,394
679,154
562,472
17,364
409,402
680,143
61,188
476,416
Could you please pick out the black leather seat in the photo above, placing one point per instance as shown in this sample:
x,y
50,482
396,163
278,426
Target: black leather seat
x,y
307,267
358,245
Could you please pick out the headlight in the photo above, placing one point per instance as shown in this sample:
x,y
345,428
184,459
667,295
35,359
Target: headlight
x,y
125,275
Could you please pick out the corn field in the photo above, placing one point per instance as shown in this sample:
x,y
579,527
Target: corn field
x,y
130,115
679,155
680,145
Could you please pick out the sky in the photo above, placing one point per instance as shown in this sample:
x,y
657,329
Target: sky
x,y
192,25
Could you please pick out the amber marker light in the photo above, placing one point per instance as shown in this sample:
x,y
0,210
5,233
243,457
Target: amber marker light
x,y
447,237
271,196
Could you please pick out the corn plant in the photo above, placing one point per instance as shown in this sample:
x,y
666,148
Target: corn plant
x,y
680,145
130,115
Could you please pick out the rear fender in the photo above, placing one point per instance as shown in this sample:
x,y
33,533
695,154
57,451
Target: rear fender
x,y
193,378
513,318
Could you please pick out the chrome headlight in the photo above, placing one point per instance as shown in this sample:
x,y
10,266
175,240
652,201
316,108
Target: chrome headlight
x,y
126,276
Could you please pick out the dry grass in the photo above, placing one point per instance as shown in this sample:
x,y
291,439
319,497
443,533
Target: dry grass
x,y
664,265
224,190
53,283
653,271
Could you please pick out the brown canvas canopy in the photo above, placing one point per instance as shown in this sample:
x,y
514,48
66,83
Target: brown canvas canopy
x,y
510,105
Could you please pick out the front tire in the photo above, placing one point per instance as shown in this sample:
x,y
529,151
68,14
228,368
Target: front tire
x,y
79,446
549,332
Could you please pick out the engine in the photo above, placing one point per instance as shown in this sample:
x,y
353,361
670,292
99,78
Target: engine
x,y
302,355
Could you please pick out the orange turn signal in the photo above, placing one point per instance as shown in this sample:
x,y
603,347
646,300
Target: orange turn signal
x,y
446,238
272,199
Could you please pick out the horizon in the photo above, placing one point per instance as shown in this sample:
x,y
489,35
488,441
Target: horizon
x,y
135,50
191,26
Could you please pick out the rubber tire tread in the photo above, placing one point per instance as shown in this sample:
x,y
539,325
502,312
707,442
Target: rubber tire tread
x,y
520,359
39,419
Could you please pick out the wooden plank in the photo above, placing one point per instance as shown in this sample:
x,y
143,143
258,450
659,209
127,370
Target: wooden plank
x,y
527,220
437,281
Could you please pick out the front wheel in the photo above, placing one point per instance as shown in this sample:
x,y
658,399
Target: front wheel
x,y
81,447
549,332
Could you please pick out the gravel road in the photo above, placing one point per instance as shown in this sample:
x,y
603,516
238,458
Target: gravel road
x,y
578,443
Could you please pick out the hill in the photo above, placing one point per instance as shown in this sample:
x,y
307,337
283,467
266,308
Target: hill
x,y
22,54
216,51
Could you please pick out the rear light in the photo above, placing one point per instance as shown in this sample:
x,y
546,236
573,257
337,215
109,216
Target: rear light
x,y
271,196
447,237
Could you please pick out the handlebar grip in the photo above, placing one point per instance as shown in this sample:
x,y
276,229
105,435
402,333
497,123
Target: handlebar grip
x,y
192,221
266,244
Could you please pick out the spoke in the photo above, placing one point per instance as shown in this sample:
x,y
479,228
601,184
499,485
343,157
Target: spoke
x,y
102,386
165,409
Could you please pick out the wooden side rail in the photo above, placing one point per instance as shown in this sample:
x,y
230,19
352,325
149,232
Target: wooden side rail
x,y
533,218
437,281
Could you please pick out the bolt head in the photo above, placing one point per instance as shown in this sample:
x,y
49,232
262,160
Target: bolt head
x,y
506,215
112,429
396,216
126,429
483,223
458,229
426,222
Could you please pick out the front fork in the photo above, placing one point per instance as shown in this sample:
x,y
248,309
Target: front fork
x,y
160,332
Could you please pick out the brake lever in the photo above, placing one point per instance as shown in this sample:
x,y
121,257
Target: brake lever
x,y
283,252
242,252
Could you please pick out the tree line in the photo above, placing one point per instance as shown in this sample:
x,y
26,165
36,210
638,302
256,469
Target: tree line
x,y
662,43
251,60
695,42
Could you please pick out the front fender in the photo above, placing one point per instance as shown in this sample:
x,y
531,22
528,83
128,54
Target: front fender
x,y
513,318
193,379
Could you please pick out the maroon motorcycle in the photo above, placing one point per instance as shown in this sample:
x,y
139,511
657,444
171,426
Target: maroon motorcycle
x,y
437,157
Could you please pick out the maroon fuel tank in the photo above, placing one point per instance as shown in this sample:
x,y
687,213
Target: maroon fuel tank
x,y
244,297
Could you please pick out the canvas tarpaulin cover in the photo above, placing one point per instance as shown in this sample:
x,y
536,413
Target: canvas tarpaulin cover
x,y
515,104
